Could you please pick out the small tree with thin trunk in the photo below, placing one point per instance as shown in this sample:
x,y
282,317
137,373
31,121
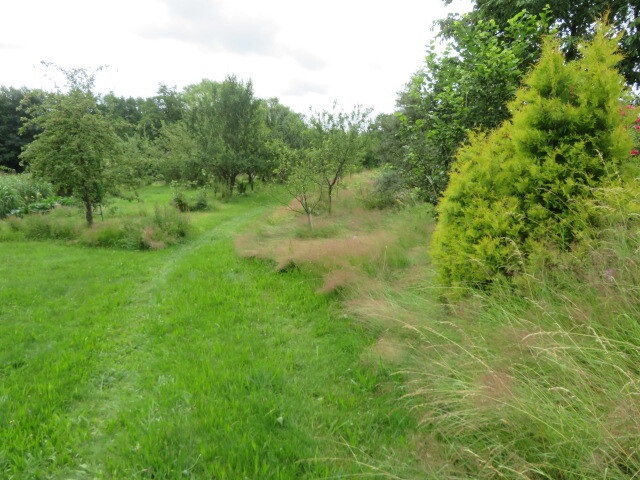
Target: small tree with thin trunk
x,y
303,182
338,145
78,149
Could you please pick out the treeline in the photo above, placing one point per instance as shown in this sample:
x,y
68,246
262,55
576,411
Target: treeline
x,y
217,135
138,117
211,132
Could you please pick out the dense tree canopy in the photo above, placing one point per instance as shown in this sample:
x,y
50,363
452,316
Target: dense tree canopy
x,y
226,124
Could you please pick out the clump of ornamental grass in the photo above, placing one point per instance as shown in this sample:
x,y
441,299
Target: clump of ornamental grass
x,y
351,246
535,376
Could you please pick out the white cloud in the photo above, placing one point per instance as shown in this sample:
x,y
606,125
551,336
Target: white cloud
x,y
305,53
206,24
301,87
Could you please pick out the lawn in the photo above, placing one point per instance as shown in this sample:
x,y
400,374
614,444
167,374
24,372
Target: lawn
x,y
187,362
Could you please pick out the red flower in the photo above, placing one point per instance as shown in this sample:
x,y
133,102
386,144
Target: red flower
x,y
636,127
634,152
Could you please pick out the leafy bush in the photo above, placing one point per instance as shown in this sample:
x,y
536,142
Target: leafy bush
x,y
17,191
184,204
389,190
464,88
180,201
43,205
171,222
522,187
201,202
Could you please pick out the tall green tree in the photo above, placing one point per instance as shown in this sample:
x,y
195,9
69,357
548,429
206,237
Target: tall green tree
x,y
126,110
166,107
464,88
385,146
77,149
574,20
286,132
226,122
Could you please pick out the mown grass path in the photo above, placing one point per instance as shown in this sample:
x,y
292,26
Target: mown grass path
x,y
185,363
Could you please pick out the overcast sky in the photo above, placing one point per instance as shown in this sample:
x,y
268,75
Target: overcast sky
x,y
305,53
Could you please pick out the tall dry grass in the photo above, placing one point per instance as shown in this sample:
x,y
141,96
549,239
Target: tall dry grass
x,y
538,377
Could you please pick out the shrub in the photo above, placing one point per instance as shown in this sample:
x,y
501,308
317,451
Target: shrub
x,y
180,200
521,188
165,227
17,191
41,227
43,205
389,190
171,222
105,234
201,202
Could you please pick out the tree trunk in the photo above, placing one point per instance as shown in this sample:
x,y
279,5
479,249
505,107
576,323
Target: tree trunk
x,y
232,183
309,220
329,192
89,212
251,181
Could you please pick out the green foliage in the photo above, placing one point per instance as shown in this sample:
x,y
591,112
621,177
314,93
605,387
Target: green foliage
x,y
384,144
166,227
179,199
142,232
43,205
11,142
337,145
521,188
179,160
126,225
151,114
202,201
303,182
574,21
171,222
467,87
18,191
225,124
389,190
183,203
78,149
141,155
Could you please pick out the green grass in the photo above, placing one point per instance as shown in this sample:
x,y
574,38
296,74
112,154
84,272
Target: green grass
x,y
191,362
187,362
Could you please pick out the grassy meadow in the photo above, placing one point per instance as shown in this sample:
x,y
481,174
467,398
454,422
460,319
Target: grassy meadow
x,y
258,348
186,362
